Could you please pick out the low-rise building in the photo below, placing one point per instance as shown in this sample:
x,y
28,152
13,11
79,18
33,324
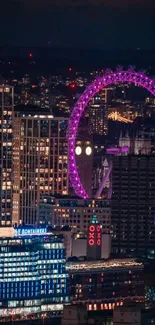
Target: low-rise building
x,y
74,212
103,285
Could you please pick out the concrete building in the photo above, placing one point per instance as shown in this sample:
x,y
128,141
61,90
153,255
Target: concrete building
x,y
79,245
67,238
103,285
127,315
94,240
98,112
133,205
74,315
74,212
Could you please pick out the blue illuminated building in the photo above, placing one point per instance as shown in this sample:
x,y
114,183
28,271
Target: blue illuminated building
x,y
33,277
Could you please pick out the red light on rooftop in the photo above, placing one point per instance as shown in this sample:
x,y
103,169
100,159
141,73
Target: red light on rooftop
x,y
30,55
72,86
70,69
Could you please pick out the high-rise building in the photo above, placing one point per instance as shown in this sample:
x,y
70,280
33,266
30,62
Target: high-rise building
x,y
98,112
25,91
6,168
40,158
33,277
44,98
133,205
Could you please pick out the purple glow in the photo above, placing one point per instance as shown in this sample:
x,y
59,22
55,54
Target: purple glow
x,y
99,83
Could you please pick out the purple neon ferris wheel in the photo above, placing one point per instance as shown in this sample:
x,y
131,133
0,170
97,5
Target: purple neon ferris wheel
x,y
121,76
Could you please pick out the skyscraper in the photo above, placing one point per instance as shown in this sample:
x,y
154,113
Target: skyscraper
x,y
98,112
40,157
6,118
133,205
44,90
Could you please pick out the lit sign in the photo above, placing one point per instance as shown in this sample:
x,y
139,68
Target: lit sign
x,y
98,229
94,236
30,231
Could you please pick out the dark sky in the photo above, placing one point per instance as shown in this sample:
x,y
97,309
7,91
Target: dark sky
x,y
79,23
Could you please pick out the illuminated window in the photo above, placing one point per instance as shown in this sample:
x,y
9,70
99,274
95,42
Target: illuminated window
x,y
95,307
89,307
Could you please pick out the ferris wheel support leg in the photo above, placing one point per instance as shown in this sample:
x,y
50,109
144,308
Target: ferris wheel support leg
x,y
104,181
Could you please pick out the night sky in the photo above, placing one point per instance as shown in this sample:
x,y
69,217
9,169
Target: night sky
x,y
125,24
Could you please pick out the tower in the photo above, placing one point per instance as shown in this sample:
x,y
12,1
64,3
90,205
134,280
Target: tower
x,y
84,160
94,238
6,168
40,157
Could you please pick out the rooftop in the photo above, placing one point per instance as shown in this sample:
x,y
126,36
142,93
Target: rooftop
x,y
102,265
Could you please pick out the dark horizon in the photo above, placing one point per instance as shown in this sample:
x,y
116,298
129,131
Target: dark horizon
x,y
67,23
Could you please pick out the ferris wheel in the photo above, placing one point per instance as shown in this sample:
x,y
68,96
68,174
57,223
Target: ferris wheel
x,y
119,76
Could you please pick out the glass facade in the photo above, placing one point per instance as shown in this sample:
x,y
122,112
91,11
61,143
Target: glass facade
x,y
32,273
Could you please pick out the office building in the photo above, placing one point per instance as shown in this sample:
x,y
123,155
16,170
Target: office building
x,y
44,94
98,112
40,158
74,212
103,285
133,205
67,237
33,277
6,167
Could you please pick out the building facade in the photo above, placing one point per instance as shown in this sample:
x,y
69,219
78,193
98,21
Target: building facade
x,y
133,205
33,277
6,142
98,112
103,285
94,240
40,158
44,94
84,162
74,212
